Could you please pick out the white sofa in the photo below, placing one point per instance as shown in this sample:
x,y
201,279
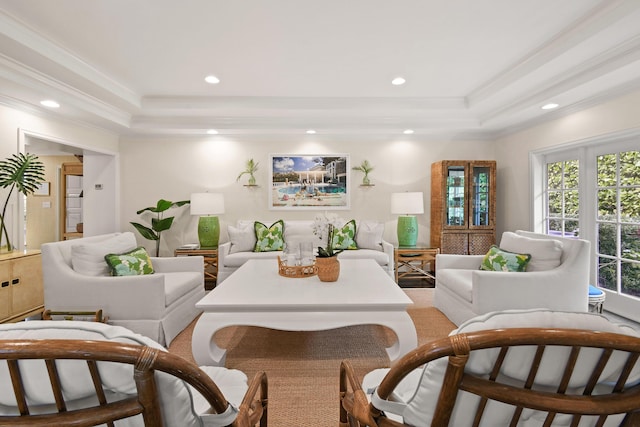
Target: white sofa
x,y
239,248
158,305
557,278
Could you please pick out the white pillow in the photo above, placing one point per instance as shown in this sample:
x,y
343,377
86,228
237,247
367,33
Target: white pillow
x,y
545,254
243,239
369,235
88,258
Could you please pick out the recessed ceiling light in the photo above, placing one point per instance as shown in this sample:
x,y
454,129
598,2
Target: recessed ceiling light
x,y
408,131
398,81
50,103
550,106
311,131
212,80
212,132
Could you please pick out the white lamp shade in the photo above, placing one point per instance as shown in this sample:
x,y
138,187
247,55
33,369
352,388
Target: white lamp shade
x,y
408,203
207,203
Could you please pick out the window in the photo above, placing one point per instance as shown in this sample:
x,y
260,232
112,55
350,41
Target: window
x,y
591,189
562,198
618,221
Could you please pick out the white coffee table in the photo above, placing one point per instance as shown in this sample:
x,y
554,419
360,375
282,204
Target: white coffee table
x,y
256,295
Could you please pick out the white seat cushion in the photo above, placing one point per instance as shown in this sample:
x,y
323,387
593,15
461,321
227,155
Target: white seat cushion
x,y
178,284
380,257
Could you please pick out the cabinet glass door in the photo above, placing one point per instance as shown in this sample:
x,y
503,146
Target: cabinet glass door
x,y
481,196
455,197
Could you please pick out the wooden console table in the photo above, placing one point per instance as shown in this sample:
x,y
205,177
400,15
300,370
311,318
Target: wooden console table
x,y
210,263
414,261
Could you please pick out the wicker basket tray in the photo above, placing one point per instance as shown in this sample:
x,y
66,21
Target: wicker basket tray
x,y
296,271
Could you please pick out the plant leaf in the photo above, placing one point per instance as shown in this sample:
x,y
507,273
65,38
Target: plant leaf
x,y
145,231
161,225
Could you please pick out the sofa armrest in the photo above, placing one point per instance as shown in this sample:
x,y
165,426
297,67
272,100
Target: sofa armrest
x,y
178,264
461,262
554,289
223,251
389,249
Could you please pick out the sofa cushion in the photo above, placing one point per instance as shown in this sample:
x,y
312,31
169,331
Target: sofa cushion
x,y
498,259
344,237
242,239
545,254
269,238
132,263
380,257
239,258
177,284
369,235
297,232
458,281
88,258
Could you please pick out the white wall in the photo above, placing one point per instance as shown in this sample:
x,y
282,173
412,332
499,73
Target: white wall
x,y
12,122
512,152
174,168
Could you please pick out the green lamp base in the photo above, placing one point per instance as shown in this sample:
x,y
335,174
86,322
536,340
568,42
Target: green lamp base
x,y
208,231
407,230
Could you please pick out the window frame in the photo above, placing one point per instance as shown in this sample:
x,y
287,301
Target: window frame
x,y
586,152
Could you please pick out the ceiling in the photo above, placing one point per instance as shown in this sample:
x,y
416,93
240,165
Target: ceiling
x,y
473,69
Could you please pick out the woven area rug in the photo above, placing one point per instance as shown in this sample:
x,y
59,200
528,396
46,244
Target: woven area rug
x,y
303,367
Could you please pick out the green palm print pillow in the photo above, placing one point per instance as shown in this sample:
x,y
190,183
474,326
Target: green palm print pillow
x,y
132,263
269,238
345,237
500,260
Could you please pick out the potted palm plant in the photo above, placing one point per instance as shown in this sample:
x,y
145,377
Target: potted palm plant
x,y
365,167
21,172
159,223
250,168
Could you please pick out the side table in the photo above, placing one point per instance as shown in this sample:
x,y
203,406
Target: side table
x,y
413,260
210,263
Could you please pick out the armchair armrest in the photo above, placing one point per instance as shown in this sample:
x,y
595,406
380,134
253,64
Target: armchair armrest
x,y
388,249
555,289
462,262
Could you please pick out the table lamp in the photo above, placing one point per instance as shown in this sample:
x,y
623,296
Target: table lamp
x,y
407,205
207,205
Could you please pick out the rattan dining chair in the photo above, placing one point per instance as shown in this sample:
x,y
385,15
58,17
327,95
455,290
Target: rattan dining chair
x,y
80,382
514,375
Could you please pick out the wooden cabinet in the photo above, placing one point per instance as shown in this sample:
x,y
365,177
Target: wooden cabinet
x,y
21,292
463,206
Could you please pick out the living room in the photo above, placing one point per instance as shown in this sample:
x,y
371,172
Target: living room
x,y
141,144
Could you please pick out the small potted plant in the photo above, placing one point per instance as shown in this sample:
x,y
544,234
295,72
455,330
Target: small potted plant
x,y
365,167
250,168
327,260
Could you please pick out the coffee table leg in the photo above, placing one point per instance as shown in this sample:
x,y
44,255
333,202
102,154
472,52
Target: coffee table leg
x,y
203,346
405,330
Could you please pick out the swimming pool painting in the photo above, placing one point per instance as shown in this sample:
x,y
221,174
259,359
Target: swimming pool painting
x,y
309,182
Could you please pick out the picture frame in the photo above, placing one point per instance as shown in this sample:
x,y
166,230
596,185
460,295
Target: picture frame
x,y
309,181
43,189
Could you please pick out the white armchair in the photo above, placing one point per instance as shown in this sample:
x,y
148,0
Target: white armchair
x,y
158,305
557,278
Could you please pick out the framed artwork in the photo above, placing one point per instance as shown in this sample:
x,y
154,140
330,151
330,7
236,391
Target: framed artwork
x,y
309,182
42,190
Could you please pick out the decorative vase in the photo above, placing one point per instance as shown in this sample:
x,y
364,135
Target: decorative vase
x,y
252,180
328,268
366,181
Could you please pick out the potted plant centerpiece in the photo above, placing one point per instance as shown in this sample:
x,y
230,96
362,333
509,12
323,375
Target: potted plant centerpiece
x,y
327,259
